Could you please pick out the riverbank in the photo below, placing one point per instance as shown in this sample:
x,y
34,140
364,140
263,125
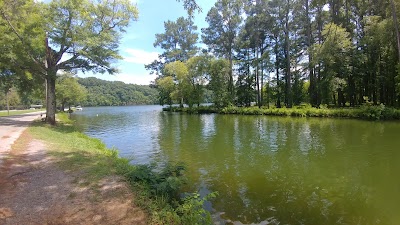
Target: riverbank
x,y
157,193
36,188
364,112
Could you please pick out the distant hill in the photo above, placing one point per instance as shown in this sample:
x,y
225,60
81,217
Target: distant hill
x,y
117,93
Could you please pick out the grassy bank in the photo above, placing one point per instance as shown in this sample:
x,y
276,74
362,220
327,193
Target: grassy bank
x,y
18,112
156,192
364,112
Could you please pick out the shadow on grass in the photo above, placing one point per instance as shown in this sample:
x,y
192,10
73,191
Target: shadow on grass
x,y
60,127
90,166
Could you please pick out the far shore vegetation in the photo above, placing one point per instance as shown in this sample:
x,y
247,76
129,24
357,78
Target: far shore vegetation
x,y
366,112
157,188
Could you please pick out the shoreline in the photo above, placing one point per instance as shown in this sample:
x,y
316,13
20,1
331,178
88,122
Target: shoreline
x,y
363,113
157,193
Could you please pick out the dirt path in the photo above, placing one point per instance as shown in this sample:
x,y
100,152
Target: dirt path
x,y
11,127
34,190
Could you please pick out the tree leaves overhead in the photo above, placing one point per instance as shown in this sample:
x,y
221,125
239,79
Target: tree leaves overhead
x,y
88,32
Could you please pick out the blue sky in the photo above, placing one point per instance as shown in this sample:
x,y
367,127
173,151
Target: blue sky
x,y
137,44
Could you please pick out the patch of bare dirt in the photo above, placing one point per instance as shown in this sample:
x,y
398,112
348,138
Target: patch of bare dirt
x,y
34,190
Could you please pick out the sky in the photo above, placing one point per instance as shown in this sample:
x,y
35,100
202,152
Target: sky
x,y
137,43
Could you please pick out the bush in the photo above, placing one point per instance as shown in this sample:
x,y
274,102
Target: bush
x,y
192,211
160,191
166,183
372,112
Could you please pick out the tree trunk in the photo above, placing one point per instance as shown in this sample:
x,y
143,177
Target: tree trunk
x,y
318,75
63,106
312,89
230,85
267,91
396,27
288,92
334,98
258,81
262,75
51,97
8,102
278,101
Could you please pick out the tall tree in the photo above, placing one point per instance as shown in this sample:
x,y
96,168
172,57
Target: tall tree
x,y
178,42
256,30
166,87
69,91
87,33
224,20
179,71
333,55
219,81
6,83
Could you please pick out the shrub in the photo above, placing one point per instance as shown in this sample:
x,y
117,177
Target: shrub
x,y
162,188
192,209
372,112
369,112
165,183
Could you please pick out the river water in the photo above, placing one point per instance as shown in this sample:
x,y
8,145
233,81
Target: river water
x,y
267,170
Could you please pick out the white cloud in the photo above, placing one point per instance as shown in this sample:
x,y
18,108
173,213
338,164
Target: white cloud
x,y
139,56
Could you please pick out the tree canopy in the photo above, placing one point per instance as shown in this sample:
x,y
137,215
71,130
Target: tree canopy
x,y
337,53
64,35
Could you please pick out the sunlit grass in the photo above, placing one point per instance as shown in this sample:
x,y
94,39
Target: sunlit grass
x,y
18,112
76,151
92,160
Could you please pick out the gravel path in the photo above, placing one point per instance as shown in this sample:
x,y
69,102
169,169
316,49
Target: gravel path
x,y
34,190
11,127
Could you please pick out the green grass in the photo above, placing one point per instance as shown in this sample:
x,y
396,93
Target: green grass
x,y
18,112
155,192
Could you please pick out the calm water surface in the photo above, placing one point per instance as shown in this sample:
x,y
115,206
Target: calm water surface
x,y
267,170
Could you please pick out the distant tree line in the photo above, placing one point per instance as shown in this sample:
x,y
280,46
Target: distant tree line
x,y
116,93
321,52
72,91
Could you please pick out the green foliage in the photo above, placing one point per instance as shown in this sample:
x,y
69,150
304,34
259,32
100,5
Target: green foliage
x,y
107,93
193,110
69,91
334,57
191,6
219,82
192,209
305,110
184,82
380,112
178,42
165,183
166,87
179,71
218,35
